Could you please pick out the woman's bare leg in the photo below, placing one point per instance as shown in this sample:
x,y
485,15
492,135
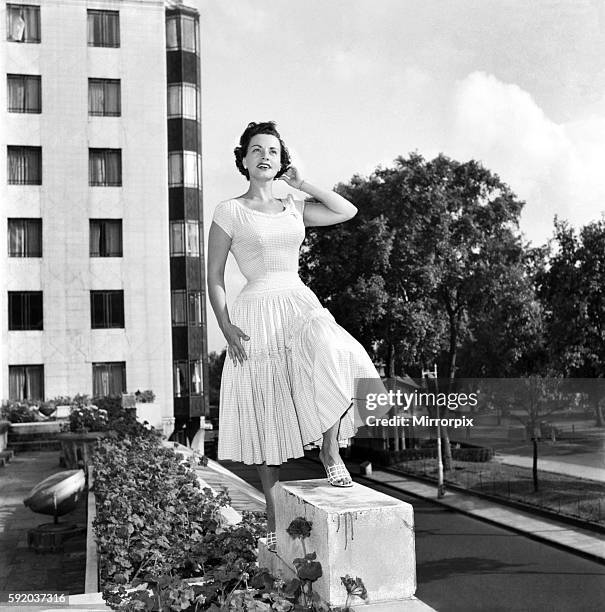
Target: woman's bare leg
x,y
269,476
330,452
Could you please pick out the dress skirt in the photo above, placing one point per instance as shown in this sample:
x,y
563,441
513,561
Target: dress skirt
x,y
299,380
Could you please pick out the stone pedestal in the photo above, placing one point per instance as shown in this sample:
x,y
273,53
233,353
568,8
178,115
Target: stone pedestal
x,y
77,448
356,531
167,426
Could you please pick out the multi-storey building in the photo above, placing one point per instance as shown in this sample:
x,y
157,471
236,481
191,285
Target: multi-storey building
x,y
100,185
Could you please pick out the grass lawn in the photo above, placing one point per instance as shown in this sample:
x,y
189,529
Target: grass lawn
x,y
580,498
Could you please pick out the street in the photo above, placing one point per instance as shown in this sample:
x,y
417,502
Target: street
x,y
464,564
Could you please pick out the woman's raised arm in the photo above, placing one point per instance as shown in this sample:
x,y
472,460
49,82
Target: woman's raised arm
x,y
328,209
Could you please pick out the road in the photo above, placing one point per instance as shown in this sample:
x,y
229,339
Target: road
x,y
466,565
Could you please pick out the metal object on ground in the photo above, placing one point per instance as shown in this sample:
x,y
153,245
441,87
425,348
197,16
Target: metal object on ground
x,y
58,494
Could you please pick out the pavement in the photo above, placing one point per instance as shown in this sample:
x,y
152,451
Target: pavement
x,y
22,569
556,467
582,541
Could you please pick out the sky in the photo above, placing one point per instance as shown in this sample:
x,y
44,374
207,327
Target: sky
x,y
517,85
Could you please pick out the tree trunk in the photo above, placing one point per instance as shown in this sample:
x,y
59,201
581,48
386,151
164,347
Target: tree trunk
x,y
390,364
453,352
598,412
535,464
447,449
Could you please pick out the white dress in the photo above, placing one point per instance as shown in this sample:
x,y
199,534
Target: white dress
x,y
303,369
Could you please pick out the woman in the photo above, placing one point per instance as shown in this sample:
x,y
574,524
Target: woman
x,y
291,372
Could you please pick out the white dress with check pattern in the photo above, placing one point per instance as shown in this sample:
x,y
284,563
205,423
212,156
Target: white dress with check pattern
x,y
299,378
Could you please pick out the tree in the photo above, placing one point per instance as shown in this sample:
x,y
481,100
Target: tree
x,y
425,263
215,369
531,400
571,287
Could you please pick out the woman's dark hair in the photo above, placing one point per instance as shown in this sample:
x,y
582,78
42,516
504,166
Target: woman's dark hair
x,y
253,129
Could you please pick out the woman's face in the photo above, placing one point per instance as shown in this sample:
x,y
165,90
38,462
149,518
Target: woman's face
x,y
263,159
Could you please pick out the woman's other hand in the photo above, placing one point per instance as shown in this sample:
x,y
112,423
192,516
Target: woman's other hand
x,y
235,350
292,177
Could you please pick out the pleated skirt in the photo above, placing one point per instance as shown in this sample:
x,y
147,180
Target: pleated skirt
x,y
299,380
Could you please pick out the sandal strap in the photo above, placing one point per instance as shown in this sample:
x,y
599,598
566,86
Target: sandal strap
x,y
337,473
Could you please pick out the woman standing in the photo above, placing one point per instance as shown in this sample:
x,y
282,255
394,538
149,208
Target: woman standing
x,y
290,379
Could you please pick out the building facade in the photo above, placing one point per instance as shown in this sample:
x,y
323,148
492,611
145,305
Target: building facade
x,y
102,203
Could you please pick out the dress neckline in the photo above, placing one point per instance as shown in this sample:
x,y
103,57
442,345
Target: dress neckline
x,y
285,202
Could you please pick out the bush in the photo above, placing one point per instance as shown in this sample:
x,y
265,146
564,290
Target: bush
x,y
20,412
476,453
157,529
145,397
88,418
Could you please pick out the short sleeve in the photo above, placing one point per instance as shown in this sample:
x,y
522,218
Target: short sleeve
x,y
299,205
224,218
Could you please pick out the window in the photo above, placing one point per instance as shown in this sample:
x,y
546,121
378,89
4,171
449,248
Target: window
x,y
184,169
181,379
107,309
181,33
195,368
104,97
25,237
23,23
24,93
179,311
105,167
26,382
186,308
182,101
187,378
184,238
195,308
24,165
108,378
24,310
103,28
106,237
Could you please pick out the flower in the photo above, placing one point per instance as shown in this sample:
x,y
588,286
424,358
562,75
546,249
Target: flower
x,y
307,568
355,587
300,527
88,418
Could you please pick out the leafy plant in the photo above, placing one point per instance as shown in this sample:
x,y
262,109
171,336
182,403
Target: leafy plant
x,y
145,397
88,418
355,588
307,568
157,529
21,411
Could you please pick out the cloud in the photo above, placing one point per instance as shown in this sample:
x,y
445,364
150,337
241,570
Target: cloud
x,y
555,167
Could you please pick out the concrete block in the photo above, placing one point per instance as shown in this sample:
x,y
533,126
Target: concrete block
x,y
356,531
280,569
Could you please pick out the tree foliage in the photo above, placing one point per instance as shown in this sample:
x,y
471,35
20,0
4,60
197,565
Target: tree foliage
x,y
571,285
432,267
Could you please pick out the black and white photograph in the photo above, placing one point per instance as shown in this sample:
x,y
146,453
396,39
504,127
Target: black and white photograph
x,y
303,305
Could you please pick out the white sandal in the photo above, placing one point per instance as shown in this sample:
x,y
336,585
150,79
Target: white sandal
x,y
338,472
